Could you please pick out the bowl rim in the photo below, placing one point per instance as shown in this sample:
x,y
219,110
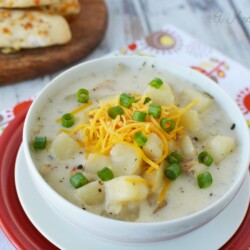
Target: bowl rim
x,y
185,71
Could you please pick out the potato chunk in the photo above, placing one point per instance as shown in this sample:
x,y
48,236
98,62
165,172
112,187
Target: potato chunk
x,y
126,159
96,162
121,190
162,96
156,178
219,147
190,120
153,148
205,100
64,147
91,194
187,148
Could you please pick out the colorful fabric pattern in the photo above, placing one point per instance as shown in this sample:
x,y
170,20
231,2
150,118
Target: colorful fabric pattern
x,y
175,45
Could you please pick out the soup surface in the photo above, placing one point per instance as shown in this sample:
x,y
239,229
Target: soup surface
x,y
136,167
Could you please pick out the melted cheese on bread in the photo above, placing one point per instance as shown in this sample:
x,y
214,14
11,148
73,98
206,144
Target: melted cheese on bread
x,y
25,3
64,8
32,29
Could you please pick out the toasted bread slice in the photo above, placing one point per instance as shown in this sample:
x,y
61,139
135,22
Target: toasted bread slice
x,y
25,3
64,8
32,29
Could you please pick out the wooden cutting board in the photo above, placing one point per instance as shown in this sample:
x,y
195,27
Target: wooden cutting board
x,y
87,29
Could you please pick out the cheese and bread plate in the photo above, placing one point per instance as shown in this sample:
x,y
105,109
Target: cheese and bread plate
x,y
42,37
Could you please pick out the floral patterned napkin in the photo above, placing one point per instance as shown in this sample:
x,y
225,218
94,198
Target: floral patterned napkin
x,y
175,45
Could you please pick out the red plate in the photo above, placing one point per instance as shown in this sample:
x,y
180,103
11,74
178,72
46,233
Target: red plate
x,y
13,220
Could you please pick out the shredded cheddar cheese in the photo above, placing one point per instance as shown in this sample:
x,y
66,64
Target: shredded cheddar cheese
x,y
77,110
137,181
101,132
164,191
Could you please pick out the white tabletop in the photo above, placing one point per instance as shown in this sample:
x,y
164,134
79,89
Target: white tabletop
x,y
224,25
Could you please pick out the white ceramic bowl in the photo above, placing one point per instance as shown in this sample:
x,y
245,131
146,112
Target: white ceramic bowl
x,y
132,231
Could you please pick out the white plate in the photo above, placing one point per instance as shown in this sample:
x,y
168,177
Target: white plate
x,y
211,236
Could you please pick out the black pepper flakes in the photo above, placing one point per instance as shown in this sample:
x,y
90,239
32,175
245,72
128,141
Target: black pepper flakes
x,y
51,157
99,190
80,167
233,126
196,139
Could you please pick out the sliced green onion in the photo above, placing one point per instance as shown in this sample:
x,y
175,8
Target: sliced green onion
x,y
105,174
173,171
139,116
140,139
78,180
40,142
113,112
154,110
68,120
126,100
204,180
167,124
147,99
174,157
205,158
82,95
156,83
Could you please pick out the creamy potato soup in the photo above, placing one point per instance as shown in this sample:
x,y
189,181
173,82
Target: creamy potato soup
x,y
135,145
